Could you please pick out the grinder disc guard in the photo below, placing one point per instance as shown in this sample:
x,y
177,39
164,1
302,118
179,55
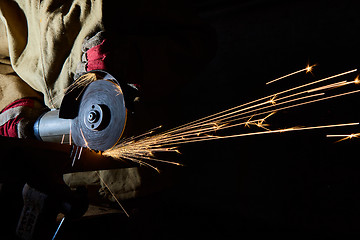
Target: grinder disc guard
x,y
101,118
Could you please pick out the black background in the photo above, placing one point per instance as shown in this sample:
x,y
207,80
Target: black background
x,y
299,182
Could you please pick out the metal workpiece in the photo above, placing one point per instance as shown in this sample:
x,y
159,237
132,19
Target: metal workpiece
x,y
50,128
42,162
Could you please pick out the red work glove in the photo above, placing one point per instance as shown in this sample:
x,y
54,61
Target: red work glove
x,y
17,119
101,52
95,54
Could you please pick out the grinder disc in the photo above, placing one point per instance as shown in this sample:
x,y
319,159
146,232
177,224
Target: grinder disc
x,y
101,118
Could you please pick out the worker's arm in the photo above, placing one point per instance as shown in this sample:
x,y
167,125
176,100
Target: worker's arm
x,y
20,105
156,44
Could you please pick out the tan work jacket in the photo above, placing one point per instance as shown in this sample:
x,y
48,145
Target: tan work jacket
x,y
40,48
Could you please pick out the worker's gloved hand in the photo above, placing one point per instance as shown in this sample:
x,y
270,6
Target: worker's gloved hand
x,y
95,54
101,52
17,119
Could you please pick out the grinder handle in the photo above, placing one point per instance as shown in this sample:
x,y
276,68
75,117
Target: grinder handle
x,y
49,127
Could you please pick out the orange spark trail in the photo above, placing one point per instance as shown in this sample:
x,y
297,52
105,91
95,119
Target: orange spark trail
x,y
144,147
62,139
240,107
111,192
82,135
345,136
211,137
82,81
307,69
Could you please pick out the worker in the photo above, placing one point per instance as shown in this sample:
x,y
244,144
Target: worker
x,y
46,45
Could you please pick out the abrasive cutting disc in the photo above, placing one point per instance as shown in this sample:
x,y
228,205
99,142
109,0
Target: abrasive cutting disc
x,y
101,118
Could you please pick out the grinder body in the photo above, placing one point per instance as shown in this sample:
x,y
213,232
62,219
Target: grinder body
x,y
49,127
93,116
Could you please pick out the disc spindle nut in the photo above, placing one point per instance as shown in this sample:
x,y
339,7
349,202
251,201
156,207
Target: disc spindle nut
x,y
94,117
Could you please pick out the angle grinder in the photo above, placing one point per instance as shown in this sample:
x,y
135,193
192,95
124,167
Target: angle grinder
x,y
93,116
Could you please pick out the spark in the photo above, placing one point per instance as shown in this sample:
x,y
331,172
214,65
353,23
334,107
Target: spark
x,y
118,90
75,155
261,124
252,105
144,148
248,122
272,100
258,122
345,136
292,129
82,135
357,81
308,102
330,86
82,82
111,192
236,114
307,70
81,148
318,81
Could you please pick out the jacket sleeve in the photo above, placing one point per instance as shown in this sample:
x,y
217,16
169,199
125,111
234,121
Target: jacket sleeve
x,y
12,88
17,99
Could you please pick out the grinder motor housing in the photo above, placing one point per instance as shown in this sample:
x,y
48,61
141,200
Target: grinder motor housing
x,y
93,116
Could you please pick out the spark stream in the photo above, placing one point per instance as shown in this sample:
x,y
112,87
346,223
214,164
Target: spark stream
x,y
142,149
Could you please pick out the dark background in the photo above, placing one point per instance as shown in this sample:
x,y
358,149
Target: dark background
x,y
295,182
298,182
